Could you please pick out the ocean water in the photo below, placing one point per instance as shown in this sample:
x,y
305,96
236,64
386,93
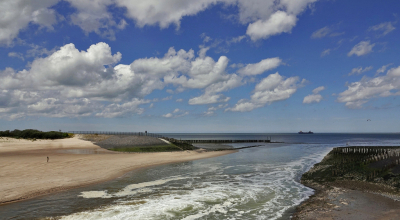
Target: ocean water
x,y
254,183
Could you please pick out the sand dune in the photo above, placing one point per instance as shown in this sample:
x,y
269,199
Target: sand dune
x,y
25,172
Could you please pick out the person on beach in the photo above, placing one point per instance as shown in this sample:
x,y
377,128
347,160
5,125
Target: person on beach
x,y
47,159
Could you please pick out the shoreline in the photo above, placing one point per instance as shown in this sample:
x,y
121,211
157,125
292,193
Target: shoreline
x,y
25,174
343,203
347,195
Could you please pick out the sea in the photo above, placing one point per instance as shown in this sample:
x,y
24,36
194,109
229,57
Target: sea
x,y
262,182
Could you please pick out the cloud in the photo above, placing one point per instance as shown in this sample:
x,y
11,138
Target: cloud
x,y
312,98
208,99
253,10
279,22
205,37
211,93
273,17
320,33
315,97
39,51
179,100
261,67
94,83
385,28
17,14
166,98
176,114
325,52
264,18
120,110
211,110
72,83
318,89
235,40
265,14
44,17
93,16
325,31
168,115
16,55
162,13
362,91
362,48
360,70
383,68
271,89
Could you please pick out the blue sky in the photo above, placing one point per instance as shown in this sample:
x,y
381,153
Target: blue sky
x,y
200,66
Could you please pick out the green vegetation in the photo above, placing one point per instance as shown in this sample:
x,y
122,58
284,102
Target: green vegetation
x,y
157,148
34,134
363,164
183,145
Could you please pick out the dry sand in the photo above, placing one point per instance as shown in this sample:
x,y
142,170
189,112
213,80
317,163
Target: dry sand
x,y
25,172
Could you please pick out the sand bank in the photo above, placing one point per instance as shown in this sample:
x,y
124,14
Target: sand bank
x,y
25,172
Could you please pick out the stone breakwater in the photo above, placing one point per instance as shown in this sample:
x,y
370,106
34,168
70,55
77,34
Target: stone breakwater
x,y
368,169
375,165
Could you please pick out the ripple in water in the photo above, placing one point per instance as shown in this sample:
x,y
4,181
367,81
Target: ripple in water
x,y
252,184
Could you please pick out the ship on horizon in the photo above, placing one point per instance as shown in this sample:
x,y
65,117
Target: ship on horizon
x,y
310,132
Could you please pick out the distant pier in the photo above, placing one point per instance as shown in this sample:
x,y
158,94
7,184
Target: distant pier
x,y
228,141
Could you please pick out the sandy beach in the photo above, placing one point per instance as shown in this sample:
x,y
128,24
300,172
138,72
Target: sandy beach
x,y
25,172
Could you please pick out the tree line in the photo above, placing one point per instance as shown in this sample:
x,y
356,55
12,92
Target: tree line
x,y
34,134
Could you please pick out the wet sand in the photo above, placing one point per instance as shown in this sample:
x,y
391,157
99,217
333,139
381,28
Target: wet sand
x,y
340,203
25,172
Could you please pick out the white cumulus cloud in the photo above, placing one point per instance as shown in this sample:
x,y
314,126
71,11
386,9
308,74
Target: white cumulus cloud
x,y
318,89
93,16
74,83
261,67
271,89
17,14
264,18
362,91
279,22
315,97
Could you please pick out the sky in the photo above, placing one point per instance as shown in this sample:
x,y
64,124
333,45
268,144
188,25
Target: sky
x,y
264,66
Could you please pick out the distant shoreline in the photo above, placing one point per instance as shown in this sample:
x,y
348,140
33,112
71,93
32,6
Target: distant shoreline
x,y
26,174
